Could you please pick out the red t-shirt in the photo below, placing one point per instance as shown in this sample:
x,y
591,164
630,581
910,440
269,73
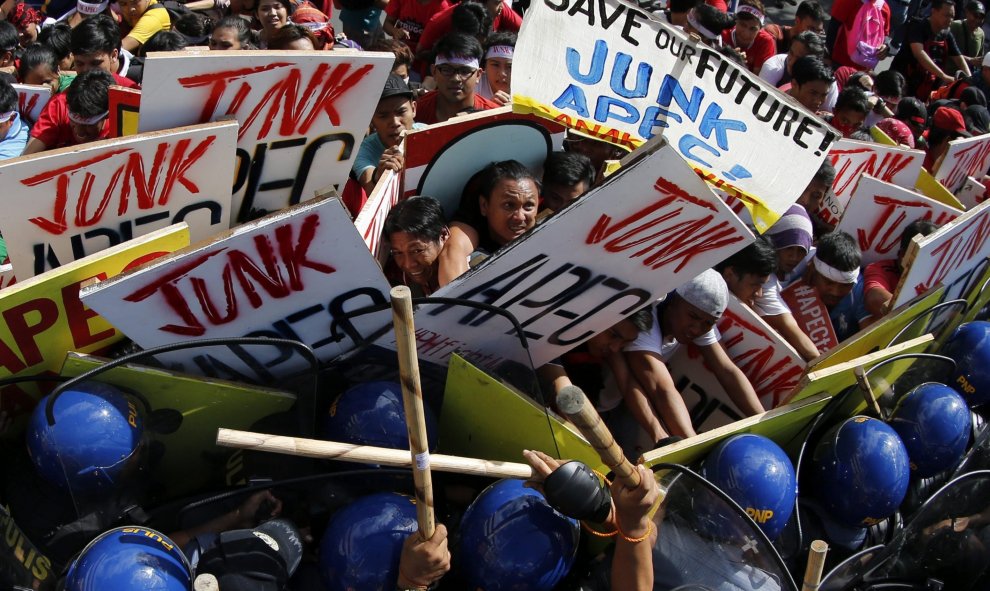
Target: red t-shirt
x,y
882,274
719,4
125,81
440,25
412,16
763,48
426,107
52,127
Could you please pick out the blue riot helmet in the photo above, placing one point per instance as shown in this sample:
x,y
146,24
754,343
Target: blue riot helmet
x,y
861,471
934,423
969,347
96,429
756,474
362,544
130,558
372,413
511,539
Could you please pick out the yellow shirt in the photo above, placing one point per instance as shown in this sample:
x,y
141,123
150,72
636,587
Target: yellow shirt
x,y
152,21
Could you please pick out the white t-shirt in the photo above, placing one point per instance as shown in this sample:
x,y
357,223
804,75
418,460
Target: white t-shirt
x,y
653,340
770,303
773,71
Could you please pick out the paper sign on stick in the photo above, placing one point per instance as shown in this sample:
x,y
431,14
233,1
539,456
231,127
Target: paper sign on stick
x,y
965,157
946,255
611,70
43,316
892,164
31,99
810,314
287,275
303,114
879,212
65,204
649,228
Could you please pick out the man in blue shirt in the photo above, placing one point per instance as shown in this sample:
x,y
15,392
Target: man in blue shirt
x,y
13,130
391,120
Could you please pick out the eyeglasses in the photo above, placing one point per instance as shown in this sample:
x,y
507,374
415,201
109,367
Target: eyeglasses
x,y
450,71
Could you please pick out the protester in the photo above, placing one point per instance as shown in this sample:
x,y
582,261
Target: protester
x,y
164,41
748,35
292,37
496,77
927,62
321,33
833,272
76,116
812,199
598,151
27,20
406,19
811,82
708,23
968,33
416,233
58,37
947,125
80,11
231,33
96,45
777,69
39,66
566,176
13,131
393,117
809,17
677,12
8,45
851,109
361,20
881,278
457,69
140,20
273,15
914,114
898,131
501,18
402,67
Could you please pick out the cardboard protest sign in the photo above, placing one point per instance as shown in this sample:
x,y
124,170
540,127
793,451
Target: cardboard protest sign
x,y
946,255
772,366
370,221
7,277
892,164
287,275
190,460
965,157
651,226
302,114
44,317
615,72
810,314
972,193
931,188
125,105
443,157
879,213
65,204
31,99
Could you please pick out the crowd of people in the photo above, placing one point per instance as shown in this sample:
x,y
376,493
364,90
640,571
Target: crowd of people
x,y
454,58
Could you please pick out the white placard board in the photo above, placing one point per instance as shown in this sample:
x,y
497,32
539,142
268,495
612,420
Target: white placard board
x,y
946,255
879,212
65,204
650,227
7,277
31,99
964,158
892,164
370,221
610,70
772,366
303,114
286,275
972,192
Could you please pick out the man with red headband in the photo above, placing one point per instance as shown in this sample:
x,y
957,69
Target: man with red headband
x,y
457,70
76,116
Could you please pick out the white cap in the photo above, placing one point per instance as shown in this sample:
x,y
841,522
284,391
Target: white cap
x,y
707,292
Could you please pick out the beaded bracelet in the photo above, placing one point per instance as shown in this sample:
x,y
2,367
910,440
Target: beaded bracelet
x,y
649,531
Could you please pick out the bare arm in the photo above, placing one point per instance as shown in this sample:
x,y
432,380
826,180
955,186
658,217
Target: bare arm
x,y
787,327
877,301
960,61
652,374
130,44
926,62
634,395
632,564
396,32
454,256
34,146
732,379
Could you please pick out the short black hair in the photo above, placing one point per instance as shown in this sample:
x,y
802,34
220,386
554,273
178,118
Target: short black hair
x,y
811,40
922,226
496,172
88,96
35,55
165,41
682,6
8,36
290,34
642,319
470,18
8,97
460,45
195,27
58,36
757,258
810,69
96,34
826,173
568,169
420,216
889,83
713,19
245,36
839,250
939,4
507,38
852,98
973,96
810,8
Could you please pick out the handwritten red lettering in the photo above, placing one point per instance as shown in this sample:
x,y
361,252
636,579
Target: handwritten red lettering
x,y
885,235
955,252
972,160
849,164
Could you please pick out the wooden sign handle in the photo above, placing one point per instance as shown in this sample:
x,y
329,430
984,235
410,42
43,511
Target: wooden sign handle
x,y
816,565
412,399
867,390
575,406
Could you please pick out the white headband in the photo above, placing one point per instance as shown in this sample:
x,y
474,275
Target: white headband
x,y
751,11
502,51
87,120
90,9
834,274
697,26
5,117
457,61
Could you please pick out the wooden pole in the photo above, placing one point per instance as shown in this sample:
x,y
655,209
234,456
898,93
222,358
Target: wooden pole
x,y
867,390
412,398
367,454
816,564
575,406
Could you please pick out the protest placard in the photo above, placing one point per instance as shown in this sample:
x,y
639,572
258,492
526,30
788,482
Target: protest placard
x,y
43,316
972,193
7,277
947,255
62,205
303,114
370,221
965,157
441,158
615,72
31,99
125,106
287,275
770,364
879,212
651,226
810,314
892,164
